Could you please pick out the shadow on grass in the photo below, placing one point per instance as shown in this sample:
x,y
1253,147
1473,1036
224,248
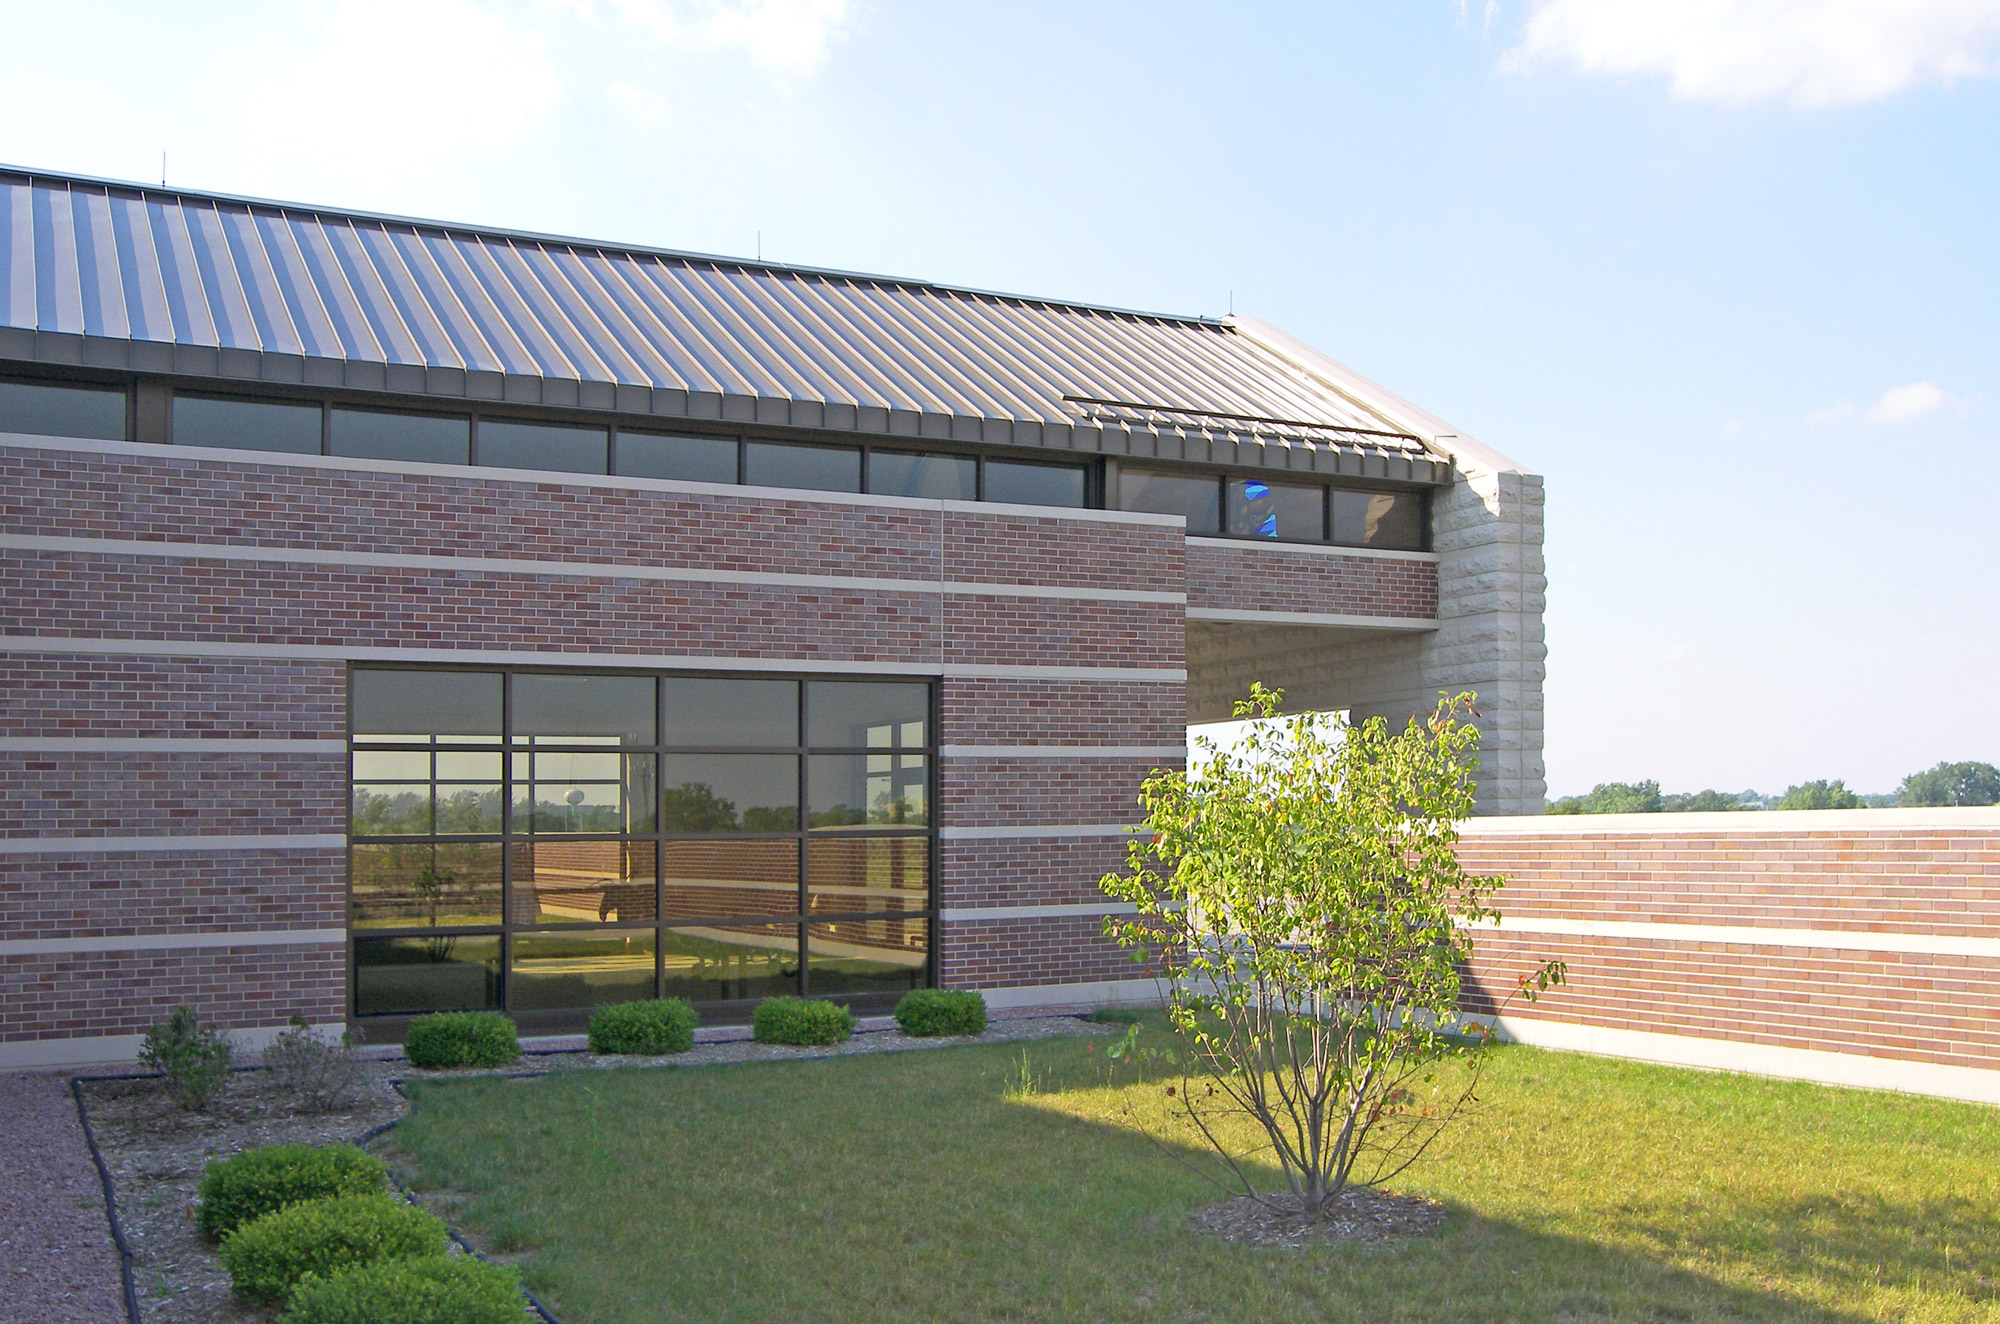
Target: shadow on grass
x,y
927,1186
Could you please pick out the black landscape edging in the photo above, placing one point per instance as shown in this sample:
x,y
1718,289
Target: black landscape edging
x,y
132,1316
110,1200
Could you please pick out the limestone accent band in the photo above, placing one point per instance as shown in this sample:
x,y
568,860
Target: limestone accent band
x,y
104,1050
615,570
1758,935
1310,549
492,657
172,942
169,845
1064,751
1398,624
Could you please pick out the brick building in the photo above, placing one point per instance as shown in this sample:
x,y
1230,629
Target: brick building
x,y
401,615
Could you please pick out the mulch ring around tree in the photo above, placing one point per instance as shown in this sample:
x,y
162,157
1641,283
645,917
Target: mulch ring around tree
x,y
1371,1220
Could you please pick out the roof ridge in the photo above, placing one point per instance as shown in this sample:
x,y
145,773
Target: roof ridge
x,y
473,230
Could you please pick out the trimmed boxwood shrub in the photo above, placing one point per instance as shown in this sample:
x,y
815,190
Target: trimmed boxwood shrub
x,y
457,1290
462,1039
254,1183
649,1028
800,1021
926,1013
267,1256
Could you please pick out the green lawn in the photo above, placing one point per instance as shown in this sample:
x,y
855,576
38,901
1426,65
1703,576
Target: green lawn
x,y
922,1186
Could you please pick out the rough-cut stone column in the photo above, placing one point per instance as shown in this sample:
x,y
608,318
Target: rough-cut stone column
x,y
1487,531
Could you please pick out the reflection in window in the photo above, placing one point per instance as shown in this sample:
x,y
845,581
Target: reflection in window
x,y
1034,484
815,468
583,710
1379,519
717,878
543,446
730,714
425,885
568,791
868,790
846,714
1289,511
368,434
43,409
410,976
945,477
718,961
560,881
685,459
247,425
864,873
552,970
1173,494
730,793
453,707
867,956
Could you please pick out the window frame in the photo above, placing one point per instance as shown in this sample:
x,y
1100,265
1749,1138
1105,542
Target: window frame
x,y
1223,478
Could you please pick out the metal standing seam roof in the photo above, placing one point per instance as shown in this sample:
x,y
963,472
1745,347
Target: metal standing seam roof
x,y
126,276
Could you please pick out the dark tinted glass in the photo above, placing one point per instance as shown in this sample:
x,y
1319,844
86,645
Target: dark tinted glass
x,y
689,459
581,882
246,425
730,792
62,411
1379,519
711,879
1034,484
542,446
816,468
366,434
422,705
730,713
421,885
947,477
846,714
587,710
1289,511
1172,494
868,874
867,790
557,970
407,976
573,791
718,962
867,956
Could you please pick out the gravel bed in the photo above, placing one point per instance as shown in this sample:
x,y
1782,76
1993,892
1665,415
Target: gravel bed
x,y
156,1152
55,1244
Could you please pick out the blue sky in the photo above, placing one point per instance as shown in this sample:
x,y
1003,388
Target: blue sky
x,y
1725,271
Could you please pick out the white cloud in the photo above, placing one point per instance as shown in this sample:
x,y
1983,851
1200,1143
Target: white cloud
x,y
1814,53
1899,404
786,37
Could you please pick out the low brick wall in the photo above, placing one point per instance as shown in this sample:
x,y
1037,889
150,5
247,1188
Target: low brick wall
x,y
1856,947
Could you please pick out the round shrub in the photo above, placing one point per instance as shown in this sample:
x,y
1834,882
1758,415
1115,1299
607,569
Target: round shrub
x,y
258,1181
458,1290
927,1013
269,1255
462,1039
650,1028
800,1021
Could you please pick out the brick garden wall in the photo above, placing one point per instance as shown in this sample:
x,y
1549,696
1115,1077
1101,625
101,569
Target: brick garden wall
x,y
1873,934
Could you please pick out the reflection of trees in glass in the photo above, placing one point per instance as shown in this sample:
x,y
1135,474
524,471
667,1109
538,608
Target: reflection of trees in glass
x,y
695,807
761,818
469,811
430,883
404,814
561,816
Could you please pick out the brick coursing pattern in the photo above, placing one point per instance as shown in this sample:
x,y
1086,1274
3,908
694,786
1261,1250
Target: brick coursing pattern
x,y
979,792
1062,712
136,795
1266,579
1011,953
85,995
1043,871
43,696
122,893
1940,882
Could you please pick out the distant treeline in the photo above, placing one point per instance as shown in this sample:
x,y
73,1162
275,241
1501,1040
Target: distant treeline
x,y
1946,784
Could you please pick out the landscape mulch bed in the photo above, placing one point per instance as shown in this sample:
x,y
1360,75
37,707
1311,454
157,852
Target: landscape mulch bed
x,y
156,1151
1372,1220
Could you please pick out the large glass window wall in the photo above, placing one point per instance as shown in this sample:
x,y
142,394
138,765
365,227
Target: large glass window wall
x,y
1284,512
547,841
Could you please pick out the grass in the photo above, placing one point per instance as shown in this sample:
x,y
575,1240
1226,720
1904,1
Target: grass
x,y
981,1184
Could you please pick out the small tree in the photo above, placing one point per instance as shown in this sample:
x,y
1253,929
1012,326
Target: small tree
x,y
193,1057
1312,920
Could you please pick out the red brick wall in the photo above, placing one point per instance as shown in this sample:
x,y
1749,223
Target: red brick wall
x,y
1894,878
1254,578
